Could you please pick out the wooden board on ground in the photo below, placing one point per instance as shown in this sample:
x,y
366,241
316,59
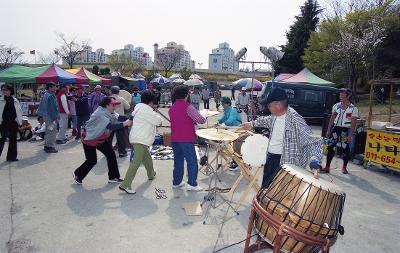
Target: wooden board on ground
x,y
193,209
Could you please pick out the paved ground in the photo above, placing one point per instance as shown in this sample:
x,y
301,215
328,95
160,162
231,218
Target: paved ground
x,y
42,211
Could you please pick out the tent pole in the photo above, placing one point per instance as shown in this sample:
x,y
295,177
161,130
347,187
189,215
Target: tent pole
x,y
390,102
371,92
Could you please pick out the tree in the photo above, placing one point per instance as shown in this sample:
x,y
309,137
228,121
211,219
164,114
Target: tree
x,y
123,65
95,70
70,48
168,60
9,55
297,38
49,58
185,73
105,71
150,74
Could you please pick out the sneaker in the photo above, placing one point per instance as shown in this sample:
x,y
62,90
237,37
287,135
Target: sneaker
x,y
115,180
60,142
153,176
176,186
231,168
344,170
76,179
325,170
12,160
128,191
194,188
123,155
50,150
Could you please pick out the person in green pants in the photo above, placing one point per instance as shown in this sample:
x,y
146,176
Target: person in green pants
x,y
141,136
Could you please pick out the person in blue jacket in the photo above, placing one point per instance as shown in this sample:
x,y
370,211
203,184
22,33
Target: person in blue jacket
x,y
231,117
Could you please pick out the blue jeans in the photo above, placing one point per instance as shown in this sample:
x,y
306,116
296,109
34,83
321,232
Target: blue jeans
x,y
182,151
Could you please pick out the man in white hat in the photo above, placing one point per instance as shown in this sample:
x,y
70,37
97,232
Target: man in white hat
x,y
243,100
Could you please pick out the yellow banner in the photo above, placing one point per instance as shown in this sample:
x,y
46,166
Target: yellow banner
x,y
383,148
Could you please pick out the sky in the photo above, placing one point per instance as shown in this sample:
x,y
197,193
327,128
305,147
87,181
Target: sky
x,y
198,25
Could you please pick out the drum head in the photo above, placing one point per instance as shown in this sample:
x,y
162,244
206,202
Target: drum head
x,y
307,177
254,150
217,134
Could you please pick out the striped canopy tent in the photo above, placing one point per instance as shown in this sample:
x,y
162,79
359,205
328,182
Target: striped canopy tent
x,y
307,77
283,76
160,80
92,78
39,75
194,82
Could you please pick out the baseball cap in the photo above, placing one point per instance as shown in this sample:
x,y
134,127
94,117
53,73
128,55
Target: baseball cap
x,y
276,94
346,90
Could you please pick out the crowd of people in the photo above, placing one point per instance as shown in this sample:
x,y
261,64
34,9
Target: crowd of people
x,y
96,116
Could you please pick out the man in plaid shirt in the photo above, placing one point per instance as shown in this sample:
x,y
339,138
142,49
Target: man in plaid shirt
x,y
291,139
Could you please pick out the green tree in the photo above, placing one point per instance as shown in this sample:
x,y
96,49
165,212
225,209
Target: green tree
x,y
95,70
297,38
122,64
185,73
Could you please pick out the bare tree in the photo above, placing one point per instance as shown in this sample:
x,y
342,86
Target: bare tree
x,y
70,48
49,58
168,60
9,55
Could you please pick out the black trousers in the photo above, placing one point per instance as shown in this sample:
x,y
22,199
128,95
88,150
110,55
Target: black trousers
x,y
338,135
9,130
120,134
271,167
206,103
91,160
81,121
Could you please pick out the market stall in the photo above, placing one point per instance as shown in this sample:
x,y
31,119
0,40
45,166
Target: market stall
x,y
93,79
383,138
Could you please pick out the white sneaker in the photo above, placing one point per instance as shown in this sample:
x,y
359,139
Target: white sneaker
x,y
178,185
128,191
234,169
194,188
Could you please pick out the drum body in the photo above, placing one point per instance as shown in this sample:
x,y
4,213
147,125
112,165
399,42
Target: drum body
x,y
311,206
237,144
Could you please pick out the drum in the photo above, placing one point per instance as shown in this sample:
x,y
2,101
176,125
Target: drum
x,y
244,145
311,207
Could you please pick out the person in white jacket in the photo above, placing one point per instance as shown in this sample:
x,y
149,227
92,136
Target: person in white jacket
x,y
141,136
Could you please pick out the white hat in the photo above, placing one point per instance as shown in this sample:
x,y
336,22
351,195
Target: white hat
x,y
25,118
244,88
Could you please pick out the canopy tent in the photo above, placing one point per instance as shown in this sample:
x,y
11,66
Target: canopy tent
x,y
195,76
307,77
249,83
160,80
175,76
39,75
194,82
283,76
92,78
178,81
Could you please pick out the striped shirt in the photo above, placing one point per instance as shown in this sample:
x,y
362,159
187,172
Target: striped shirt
x,y
299,144
194,114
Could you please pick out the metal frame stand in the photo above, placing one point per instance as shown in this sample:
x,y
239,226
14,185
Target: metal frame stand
x,y
213,191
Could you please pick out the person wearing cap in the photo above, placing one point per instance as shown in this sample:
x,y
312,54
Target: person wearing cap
x,y
25,130
291,140
63,108
341,129
136,97
82,109
243,100
10,119
141,137
184,117
95,137
120,133
95,98
49,111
